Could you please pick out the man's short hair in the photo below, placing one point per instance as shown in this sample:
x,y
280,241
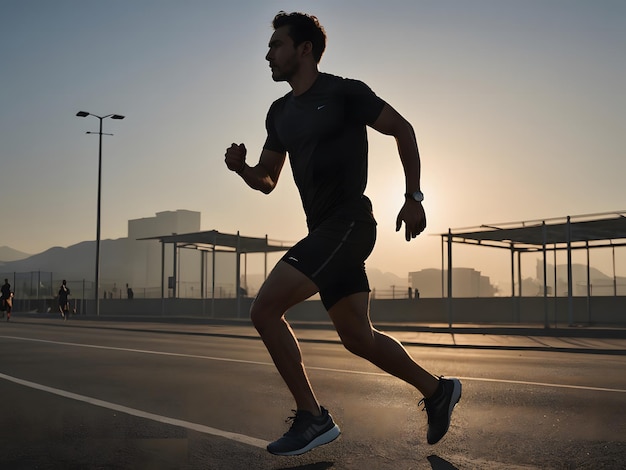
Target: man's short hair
x,y
302,28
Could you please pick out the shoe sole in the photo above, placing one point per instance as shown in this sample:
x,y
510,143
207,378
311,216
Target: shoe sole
x,y
329,436
457,390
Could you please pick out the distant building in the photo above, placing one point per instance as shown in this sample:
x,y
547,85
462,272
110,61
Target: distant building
x,y
167,222
466,282
144,256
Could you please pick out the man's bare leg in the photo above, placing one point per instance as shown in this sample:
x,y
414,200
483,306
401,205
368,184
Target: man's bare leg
x,y
284,288
351,318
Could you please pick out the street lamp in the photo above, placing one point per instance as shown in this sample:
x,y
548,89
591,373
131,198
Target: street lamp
x,y
100,133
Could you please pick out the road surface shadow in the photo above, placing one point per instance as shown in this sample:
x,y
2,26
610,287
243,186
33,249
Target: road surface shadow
x,y
310,466
437,463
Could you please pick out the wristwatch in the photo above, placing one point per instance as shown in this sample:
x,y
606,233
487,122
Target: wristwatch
x,y
416,196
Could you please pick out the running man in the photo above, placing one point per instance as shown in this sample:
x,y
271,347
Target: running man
x,y
64,305
6,298
321,123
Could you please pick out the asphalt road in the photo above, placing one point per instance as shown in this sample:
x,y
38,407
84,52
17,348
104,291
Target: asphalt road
x,y
100,396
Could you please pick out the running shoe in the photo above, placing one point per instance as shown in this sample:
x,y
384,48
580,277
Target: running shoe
x,y
306,433
439,408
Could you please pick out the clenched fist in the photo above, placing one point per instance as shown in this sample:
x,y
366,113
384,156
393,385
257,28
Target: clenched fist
x,y
236,157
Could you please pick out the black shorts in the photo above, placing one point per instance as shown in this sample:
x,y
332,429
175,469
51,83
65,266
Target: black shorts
x,y
333,257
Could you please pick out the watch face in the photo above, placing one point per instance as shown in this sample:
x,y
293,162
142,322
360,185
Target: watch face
x,y
418,196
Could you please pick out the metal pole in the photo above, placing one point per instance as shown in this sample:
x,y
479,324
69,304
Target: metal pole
x,y
544,234
213,282
450,278
442,268
238,274
570,286
555,284
515,305
614,277
203,281
97,286
175,271
97,274
512,270
162,277
245,271
202,275
589,287
520,290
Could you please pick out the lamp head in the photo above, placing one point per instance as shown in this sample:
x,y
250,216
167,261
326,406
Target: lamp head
x,y
117,116
82,114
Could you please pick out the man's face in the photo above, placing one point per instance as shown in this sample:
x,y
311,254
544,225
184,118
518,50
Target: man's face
x,y
282,56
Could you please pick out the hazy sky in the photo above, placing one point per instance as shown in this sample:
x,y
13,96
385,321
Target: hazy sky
x,y
519,108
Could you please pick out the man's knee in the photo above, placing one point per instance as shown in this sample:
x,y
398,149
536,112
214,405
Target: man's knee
x,y
359,343
256,315
263,314
284,288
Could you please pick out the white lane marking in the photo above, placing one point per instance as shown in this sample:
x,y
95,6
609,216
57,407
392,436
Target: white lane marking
x,y
544,384
481,379
252,441
326,369
141,351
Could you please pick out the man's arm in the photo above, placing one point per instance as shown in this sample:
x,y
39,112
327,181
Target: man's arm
x,y
264,175
390,122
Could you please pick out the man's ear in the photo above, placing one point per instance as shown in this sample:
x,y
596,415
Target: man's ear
x,y
306,48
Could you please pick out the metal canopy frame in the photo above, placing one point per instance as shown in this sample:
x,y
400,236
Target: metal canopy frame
x,y
557,231
214,241
568,233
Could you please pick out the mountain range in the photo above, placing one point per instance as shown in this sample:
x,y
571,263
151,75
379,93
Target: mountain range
x,y
77,262
9,254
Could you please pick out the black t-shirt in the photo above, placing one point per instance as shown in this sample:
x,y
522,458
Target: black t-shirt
x,y
64,293
324,132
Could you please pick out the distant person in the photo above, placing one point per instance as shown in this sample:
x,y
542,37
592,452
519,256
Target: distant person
x,y
129,292
322,124
64,304
6,297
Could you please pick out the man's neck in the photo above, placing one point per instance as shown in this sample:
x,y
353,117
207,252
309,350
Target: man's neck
x,y
302,82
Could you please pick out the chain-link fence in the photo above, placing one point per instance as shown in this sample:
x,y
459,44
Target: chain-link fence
x,y
37,291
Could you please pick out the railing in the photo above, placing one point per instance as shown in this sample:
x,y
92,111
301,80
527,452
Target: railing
x,y
31,287
395,292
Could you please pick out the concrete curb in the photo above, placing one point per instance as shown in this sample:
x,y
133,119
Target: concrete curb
x,y
503,337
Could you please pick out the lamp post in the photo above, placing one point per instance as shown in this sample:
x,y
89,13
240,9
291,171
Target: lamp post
x,y
100,133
